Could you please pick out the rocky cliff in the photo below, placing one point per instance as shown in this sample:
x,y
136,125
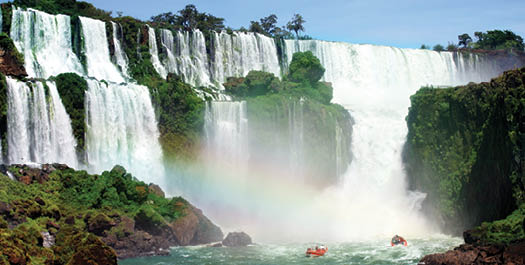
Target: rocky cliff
x,y
65,216
466,149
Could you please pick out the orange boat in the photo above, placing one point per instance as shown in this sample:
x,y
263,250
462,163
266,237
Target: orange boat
x,y
397,240
317,252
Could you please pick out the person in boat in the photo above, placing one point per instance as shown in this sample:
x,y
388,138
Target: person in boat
x,y
396,240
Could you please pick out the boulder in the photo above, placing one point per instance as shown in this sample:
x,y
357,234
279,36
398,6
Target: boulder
x,y
100,223
155,189
237,239
476,254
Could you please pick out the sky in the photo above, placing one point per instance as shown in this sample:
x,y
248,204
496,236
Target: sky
x,y
399,23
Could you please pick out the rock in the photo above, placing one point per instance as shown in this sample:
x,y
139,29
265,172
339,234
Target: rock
x,y
237,239
473,254
207,232
51,224
100,223
70,220
5,208
216,245
155,189
469,237
9,64
49,240
195,229
94,251
40,201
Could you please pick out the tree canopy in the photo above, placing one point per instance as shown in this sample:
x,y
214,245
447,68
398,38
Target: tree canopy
x,y
499,40
296,24
190,18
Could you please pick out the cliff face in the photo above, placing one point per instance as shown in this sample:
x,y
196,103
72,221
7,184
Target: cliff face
x,y
11,61
466,149
71,216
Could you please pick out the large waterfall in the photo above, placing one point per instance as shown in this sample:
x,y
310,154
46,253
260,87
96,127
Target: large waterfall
x,y
231,55
39,129
373,83
45,41
121,124
122,130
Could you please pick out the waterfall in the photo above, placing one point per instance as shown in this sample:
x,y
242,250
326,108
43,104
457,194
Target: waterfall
x,y
296,134
237,54
96,49
154,51
226,129
232,55
39,128
122,129
375,84
45,42
120,57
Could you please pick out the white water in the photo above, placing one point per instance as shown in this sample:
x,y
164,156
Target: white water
x,y
154,51
120,57
96,49
233,55
375,83
226,130
39,128
121,129
45,42
240,53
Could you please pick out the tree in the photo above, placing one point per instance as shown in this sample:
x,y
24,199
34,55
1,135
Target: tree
x,y
187,17
424,47
305,67
464,39
268,24
451,47
499,40
296,24
479,35
256,27
438,48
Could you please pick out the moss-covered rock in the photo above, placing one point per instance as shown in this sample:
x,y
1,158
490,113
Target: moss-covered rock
x,y
466,149
88,215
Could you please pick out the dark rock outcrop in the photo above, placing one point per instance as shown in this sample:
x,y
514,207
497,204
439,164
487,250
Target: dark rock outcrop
x,y
237,239
472,254
11,62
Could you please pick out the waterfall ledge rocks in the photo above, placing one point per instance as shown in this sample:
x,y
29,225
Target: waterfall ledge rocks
x,y
140,225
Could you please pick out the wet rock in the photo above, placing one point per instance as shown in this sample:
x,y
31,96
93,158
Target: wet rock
x,y
237,239
473,254
49,240
40,201
216,245
94,251
155,189
100,223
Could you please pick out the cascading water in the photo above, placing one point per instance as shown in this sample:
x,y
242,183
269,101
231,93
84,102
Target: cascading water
x,y
122,129
45,42
121,124
39,128
96,49
232,55
239,53
120,58
154,51
375,83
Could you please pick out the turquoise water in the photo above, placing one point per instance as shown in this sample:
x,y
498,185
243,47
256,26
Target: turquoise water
x,y
372,252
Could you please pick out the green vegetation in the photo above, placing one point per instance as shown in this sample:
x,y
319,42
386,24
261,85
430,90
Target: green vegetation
x,y
7,45
299,101
506,231
499,40
72,88
296,24
438,48
464,39
465,149
67,7
3,114
188,19
74,206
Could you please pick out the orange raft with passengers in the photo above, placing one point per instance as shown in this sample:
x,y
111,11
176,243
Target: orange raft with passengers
x,y
397,240
317,252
